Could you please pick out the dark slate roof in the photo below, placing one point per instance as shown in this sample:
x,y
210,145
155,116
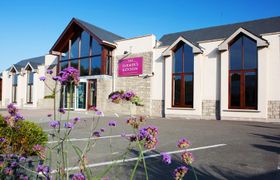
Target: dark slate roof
x,y
100,33
260,26
34,62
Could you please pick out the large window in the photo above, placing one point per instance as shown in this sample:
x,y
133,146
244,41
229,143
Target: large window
x,y
30,78
243,73
86,55
183,65
14,87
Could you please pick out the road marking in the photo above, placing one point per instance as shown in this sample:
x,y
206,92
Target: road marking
x,y
92,138
136,158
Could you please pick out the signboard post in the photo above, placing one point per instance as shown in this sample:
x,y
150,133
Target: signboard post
x,y
130,66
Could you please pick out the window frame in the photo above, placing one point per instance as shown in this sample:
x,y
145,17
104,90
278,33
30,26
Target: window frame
x,y
29,96
14,88
182,82
242,73
103,55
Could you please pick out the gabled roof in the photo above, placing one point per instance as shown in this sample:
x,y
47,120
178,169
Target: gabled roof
x,y
260,41
102,35
258,27
34,62
196,49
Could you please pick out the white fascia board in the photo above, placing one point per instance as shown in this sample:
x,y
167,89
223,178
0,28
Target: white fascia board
x,y
260,41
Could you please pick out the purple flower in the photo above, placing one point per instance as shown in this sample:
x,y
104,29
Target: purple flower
x,y
183,143
99,113
149,136
56,78
166,158
40,168
78,176
61,110
69,75
13,164
96,134
42,78
49,115
2,139
54,124
102,129
12,109
112,123
76,119
49,71
18,117
180,172
22,158
8,171
69,125
187,157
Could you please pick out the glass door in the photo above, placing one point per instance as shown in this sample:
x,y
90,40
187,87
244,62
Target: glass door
x,y
67,97
81,95
92,93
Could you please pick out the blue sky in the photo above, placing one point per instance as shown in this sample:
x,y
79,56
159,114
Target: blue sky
x,y
29,28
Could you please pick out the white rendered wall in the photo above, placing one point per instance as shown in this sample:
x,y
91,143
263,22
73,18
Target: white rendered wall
x,y
273,67
210,71
158,78
50,59
135,45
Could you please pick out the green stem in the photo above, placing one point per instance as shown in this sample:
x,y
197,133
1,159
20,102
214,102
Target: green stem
x,y
135,167
194,172
143,158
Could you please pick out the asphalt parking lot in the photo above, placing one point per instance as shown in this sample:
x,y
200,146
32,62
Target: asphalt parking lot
x,y
222,149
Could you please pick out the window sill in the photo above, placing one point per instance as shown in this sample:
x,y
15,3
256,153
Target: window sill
x,y
242,110
180,108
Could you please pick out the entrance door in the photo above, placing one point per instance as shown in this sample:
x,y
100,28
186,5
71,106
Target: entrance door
x,y
92,90
81,95
67,98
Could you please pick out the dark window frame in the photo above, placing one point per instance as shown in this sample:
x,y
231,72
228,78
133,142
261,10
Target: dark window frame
x,y
182,82
29,97
14,88
242,73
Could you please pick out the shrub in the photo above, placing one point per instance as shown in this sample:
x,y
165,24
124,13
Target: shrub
x,y
21,139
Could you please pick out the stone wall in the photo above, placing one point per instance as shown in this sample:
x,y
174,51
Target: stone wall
x,y
104,88
273,111
140,85
211,109
158,108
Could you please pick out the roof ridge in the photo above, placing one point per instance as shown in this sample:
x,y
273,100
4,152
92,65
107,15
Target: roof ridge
x,y
98,27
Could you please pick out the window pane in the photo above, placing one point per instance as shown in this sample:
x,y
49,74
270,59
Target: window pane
x,y
251,89
250,53
29,93
235,89
108,65
177,89
189,90
74,48
30,76
95,47
236,55
92,101
63,65
188,58
15,79
65,54
177,64
74,63
96,65
14,94
84,67
85,42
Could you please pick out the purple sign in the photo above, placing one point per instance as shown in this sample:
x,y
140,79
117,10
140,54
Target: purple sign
x,y
131,66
